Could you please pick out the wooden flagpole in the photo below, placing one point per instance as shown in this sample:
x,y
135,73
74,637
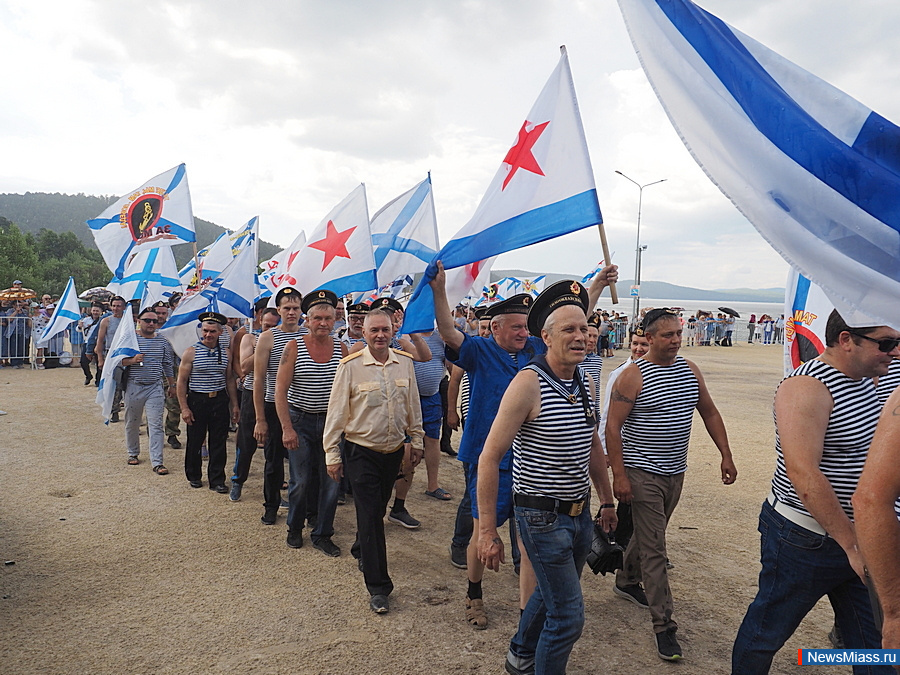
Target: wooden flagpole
x,y
613,294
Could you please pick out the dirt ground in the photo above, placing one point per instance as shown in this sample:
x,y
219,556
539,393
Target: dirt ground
x,y
113,569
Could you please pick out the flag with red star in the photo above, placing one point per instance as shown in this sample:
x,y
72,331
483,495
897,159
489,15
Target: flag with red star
x,y
543,189
338,254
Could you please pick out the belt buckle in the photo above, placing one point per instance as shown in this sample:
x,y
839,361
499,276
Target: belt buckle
x,y
576,509
213,394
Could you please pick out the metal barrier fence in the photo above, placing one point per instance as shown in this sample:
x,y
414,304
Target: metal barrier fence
x,y
18,347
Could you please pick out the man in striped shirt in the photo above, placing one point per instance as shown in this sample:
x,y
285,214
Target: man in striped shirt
x,y
549,417
648,430
826,412
146,369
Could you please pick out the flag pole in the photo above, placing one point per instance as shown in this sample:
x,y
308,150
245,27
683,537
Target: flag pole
x,y
613,294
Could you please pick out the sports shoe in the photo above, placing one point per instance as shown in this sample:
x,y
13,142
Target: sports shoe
x,y
174,443
295,538
458,557
667,646
268,518
235,494
114,418
379,604
327,547
403,518
88,380
523,667
633,593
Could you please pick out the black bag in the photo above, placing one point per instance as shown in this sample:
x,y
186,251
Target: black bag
x,y
606,555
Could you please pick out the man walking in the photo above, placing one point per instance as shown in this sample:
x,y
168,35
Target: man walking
x,y
549,417
648,430
826,412
204,392
302,388
375,404
146,370
105,334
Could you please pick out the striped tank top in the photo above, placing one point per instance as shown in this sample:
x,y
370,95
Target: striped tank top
x,y
552,452
887,383
657,432
208,370
593,365
311,386
464,390
847,438
279,340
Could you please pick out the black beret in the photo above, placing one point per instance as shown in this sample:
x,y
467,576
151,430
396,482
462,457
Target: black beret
x,y
261,304
358,308
558,295
594,320
482,313
517,304
387,303
213,317
320,297
287,292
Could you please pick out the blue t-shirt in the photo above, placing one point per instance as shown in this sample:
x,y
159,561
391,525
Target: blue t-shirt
x,y
491,368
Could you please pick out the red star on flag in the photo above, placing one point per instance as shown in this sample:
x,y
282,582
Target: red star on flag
x,y
334,244
519,155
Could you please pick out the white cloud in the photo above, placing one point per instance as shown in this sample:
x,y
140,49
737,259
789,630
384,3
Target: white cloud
x,y
280,108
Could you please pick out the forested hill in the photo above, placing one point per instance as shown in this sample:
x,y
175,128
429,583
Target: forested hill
x,y
60,213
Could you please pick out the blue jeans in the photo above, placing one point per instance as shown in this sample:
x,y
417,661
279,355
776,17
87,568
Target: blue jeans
x,y
553,619
307,458
798,568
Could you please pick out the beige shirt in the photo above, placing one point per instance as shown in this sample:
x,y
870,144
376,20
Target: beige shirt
x,y
373,404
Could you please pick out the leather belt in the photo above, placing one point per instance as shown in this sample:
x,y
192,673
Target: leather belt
x,y
209,394
797,518
549,504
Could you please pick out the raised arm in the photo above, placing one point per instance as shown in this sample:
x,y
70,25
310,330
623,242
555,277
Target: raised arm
x,y
442,314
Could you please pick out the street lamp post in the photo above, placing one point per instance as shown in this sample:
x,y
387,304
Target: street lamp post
x,y
638,249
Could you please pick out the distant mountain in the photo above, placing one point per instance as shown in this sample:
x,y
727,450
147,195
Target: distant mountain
x,y
661,290
57,212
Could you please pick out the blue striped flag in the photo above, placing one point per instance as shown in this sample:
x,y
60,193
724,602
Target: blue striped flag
x,y
65,312
815,171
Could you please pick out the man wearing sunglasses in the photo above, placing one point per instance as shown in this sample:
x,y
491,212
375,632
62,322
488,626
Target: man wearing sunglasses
x,y
146,369
826,412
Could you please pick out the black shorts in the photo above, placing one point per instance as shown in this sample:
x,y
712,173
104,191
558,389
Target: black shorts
x,y
604,342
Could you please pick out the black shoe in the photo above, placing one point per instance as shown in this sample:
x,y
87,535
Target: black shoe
x,y
667,646
379,604
327,547
458,557
114,418
174,443
268,518
835,637
221,489
448,451
196,483
403,518
634,593
341,500
295,539
88,380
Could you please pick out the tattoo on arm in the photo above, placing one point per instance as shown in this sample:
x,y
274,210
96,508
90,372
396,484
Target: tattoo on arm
x,y
618,396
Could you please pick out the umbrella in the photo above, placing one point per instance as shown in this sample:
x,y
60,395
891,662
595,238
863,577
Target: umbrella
x,y
730,311
17,294
97,292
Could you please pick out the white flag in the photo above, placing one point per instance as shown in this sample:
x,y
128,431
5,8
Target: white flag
x,y
218,255
124,345
157,214
339,254
65,312
151,271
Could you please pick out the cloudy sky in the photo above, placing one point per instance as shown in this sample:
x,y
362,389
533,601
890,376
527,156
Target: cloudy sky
x,y
281,107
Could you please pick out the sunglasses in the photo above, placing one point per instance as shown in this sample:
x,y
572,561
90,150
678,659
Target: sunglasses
x,y
885,345
150,320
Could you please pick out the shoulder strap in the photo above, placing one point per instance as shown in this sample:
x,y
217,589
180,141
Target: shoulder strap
x,y
539,363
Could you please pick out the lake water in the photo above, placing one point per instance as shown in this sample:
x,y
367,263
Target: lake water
x,y
745,309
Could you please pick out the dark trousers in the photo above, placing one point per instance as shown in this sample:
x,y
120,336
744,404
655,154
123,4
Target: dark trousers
x,y
246,443
273,475
465,526
211,420
446,431
372,475
85,364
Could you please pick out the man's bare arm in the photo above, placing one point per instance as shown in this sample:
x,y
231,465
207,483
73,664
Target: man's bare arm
x,y
442,314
